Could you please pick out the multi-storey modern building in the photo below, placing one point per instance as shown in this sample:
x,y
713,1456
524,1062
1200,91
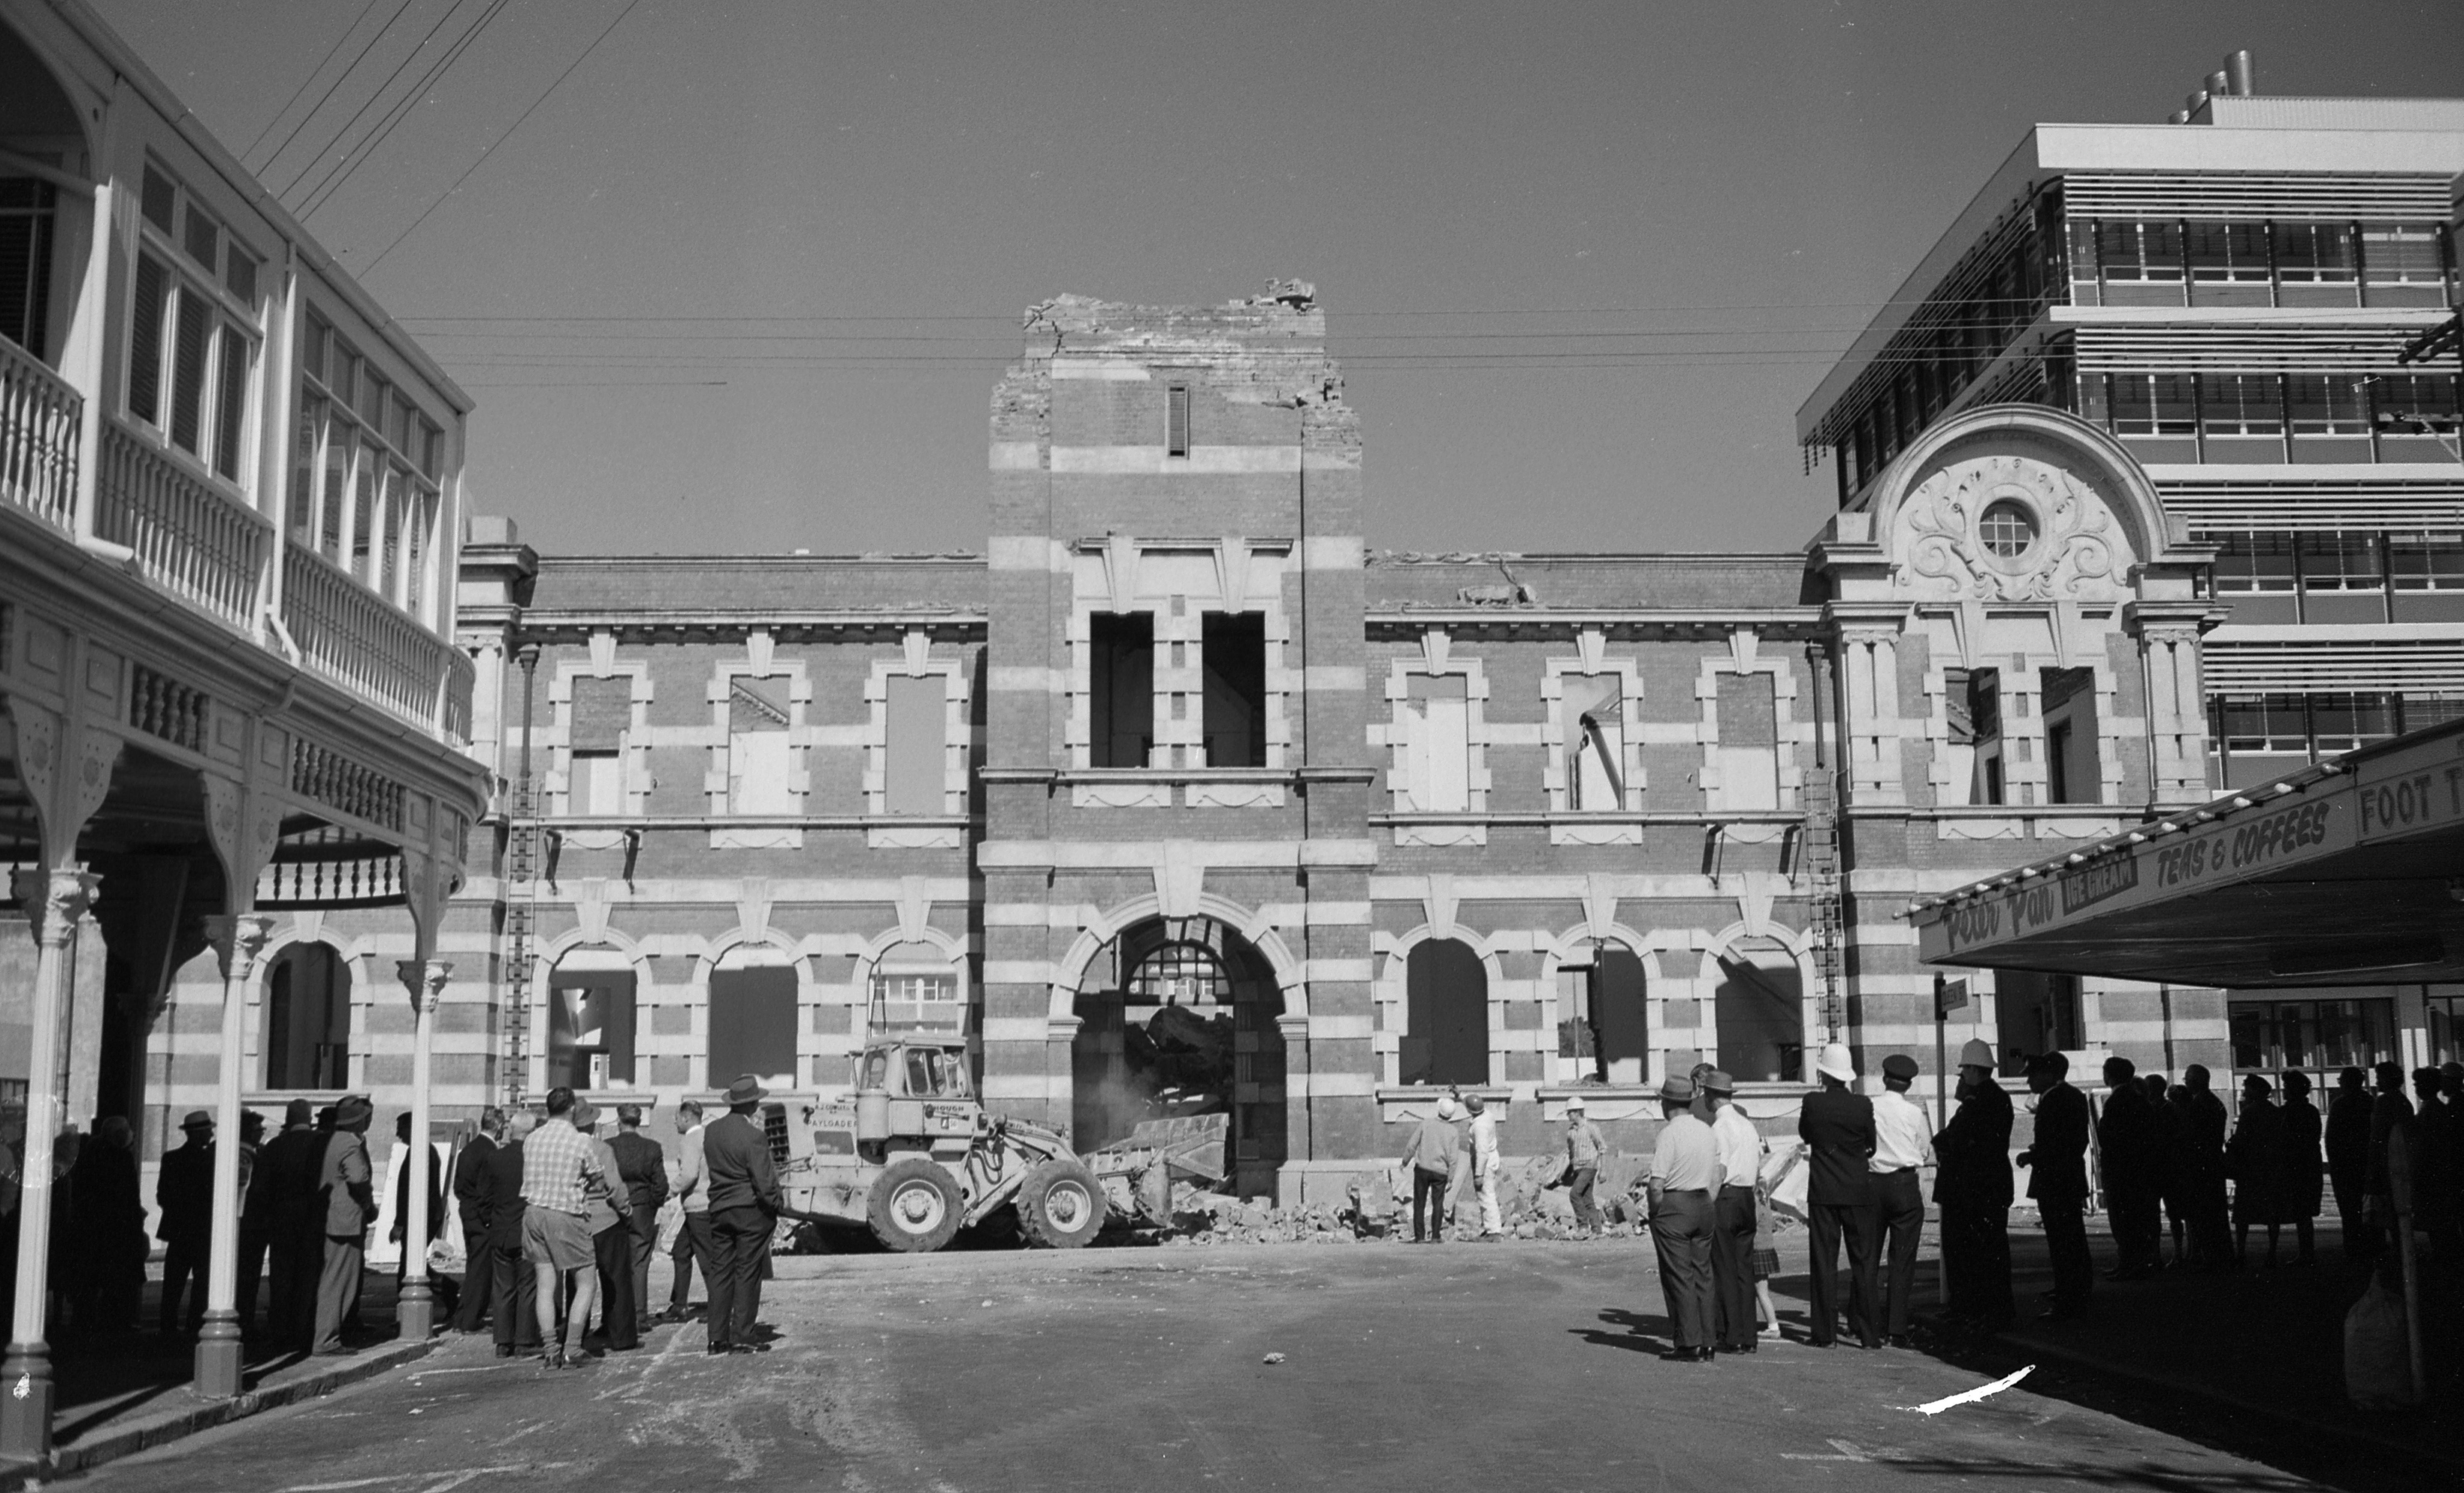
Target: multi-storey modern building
x,y
230,492
2229,298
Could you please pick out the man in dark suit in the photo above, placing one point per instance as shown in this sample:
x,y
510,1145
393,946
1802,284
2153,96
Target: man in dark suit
x,y
344,1177
184,1193
2057,1160
255,1220
744,1208
1973,1189
2129,1145
286,1173
1837,1126
510,1282
470,1196
642,1171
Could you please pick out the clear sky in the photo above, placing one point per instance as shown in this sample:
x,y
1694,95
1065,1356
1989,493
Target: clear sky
x,y
1481,194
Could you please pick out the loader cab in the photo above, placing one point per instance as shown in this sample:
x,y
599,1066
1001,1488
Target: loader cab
x,y
913,1094
914,1069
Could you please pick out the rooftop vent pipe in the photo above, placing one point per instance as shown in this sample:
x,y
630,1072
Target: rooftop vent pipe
x,y
2220,85
2195,103
2238,79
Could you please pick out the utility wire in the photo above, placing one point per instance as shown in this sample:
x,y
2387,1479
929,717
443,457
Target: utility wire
x,y
348,69
314,160
507,134
299,92
348,165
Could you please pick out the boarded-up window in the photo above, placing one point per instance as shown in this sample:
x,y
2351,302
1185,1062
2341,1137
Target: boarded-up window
x,y
759,755
915,778
1593,709
1235,649
1434,727
753,1024
603,712
1748,742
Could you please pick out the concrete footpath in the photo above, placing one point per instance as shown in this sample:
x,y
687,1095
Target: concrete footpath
x,y
2253,1363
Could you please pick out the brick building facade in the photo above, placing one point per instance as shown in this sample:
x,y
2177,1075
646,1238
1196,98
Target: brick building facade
x,y
1178,793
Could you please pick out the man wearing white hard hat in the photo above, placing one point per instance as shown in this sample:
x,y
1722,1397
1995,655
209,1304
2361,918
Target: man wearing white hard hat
x,y
1836,1123
1973,1189
1431,1161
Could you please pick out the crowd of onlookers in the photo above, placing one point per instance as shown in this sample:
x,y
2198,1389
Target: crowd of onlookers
x,y
542,1225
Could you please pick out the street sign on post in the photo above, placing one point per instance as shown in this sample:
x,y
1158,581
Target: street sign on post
x,y
1949,996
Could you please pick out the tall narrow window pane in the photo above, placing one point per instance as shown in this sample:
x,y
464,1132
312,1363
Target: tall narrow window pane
x,y
26,209
189,370
339,442
146,342
1435,722
231,403
303,466
1121,689
1177,421
204,240
1234,705
363,502
157,198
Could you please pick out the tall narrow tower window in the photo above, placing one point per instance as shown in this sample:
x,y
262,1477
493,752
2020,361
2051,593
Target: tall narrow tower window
x,y
1176,437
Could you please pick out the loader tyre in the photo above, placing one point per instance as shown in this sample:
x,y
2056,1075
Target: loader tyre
x,y
1060,1205
914,1206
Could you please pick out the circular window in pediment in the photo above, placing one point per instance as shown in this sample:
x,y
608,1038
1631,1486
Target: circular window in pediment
x,y
2007,529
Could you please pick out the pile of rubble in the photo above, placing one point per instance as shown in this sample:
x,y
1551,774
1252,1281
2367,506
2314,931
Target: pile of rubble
x,y
1377,1205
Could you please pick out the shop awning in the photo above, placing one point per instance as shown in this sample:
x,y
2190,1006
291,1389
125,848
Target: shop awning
x,y
2348,872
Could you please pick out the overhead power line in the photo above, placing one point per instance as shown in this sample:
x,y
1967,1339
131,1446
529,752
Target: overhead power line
x,y
348,68
385,121
302,91
501,137
349,165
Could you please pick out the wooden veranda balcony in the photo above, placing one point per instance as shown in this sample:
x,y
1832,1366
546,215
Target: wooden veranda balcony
x,y
184,535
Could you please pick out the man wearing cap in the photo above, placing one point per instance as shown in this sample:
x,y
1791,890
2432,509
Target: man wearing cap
x,y
2129,1153
744,1208
642,1167
1584,1144
1685,1178
2057,1161
184,1192
1732,1214
1836,1123
558,1166
287,1168
342,1177
1900,1137
1973,1189
1431,1160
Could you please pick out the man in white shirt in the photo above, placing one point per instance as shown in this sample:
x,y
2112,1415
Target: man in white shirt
x,y
689,1186
1484,1166
1686,1176
1740,1148
1901,1134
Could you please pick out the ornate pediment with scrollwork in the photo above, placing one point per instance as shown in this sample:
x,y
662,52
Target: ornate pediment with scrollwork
x,y
2009,529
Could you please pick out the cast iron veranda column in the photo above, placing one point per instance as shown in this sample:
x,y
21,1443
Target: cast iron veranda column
x,y
239,942
425,980
57,904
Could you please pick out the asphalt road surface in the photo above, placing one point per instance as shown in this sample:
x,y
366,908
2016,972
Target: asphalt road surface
x,y
1519,1366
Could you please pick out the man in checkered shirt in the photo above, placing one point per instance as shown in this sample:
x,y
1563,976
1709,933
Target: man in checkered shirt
x,y
560,1165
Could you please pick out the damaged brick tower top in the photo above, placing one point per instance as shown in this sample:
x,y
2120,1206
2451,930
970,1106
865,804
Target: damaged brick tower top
x,y
1175,856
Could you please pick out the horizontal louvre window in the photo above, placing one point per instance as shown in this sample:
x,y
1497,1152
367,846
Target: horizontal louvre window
x,y
2318,505
2256,194
2240,404
2315,254
2300,668
2242,349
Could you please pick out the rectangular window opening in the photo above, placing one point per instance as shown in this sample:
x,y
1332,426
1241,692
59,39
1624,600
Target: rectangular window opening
x,y
1234,645
1435,725
2070,767
590,1028
1592,711
1120,688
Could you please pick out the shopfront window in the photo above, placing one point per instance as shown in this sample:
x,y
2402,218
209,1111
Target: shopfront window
x,y
2317,1037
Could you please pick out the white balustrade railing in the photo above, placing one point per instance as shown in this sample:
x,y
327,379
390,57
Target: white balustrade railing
x,y
39,414
188,538
364,643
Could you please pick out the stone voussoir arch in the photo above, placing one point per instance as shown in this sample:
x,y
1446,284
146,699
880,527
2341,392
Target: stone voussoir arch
x,y
1113,922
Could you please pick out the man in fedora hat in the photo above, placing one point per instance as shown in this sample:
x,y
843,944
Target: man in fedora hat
x,y
1584,1144
744,1208
1901,1137
184,1192
1836,1123
1732,1213
1973,1190
2057,1160
342,1177
1685,1178
1431,1161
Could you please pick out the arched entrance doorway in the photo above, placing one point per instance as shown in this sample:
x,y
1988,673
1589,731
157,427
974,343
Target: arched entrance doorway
x,y
1177,1018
